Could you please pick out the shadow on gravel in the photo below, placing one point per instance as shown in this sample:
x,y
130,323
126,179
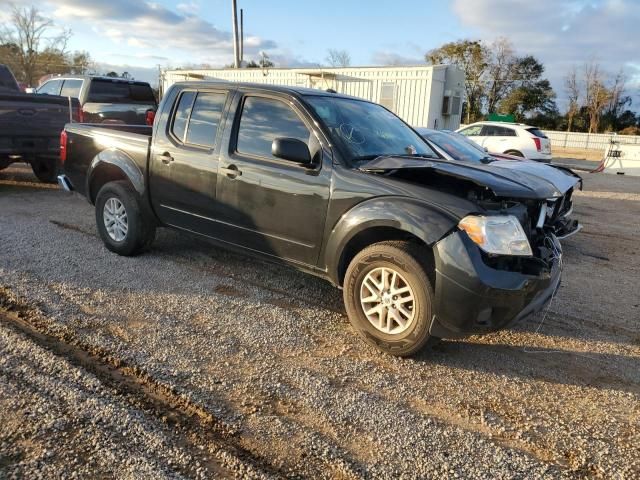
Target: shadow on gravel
x,y
565,367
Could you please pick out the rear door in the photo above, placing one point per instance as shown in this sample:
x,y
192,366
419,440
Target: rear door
x,y
497,138
270,205
183,161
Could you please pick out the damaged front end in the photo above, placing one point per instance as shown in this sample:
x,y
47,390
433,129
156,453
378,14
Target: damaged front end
x,y
504,261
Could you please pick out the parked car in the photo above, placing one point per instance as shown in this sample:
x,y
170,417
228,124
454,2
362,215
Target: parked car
x,y
106,99
515,139
456,147
30,127
422,246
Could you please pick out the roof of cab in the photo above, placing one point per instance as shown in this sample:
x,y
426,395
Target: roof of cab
x,y
300,91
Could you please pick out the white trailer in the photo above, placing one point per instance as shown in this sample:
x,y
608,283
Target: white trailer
x,y
424,96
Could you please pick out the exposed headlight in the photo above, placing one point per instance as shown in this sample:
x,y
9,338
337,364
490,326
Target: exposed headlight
x,y
499,234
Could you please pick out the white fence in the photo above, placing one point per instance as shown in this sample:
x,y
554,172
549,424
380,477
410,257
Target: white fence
x,y
588,141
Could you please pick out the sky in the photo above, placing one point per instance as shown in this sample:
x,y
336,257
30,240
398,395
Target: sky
x,y
138,35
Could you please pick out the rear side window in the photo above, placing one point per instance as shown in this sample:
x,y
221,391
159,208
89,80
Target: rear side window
x,y
115,91
71,88
497,131
182,113
205,118
537,132
52,87
265,119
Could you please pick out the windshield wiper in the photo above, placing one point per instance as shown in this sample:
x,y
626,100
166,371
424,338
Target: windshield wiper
x,y
487,159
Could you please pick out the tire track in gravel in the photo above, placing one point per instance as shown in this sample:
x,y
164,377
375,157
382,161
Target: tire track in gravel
x,y
198,431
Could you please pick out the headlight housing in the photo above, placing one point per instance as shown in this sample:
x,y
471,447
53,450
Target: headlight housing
x,y
497,234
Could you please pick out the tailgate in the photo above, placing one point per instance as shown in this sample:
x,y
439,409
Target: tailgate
x,y
31,123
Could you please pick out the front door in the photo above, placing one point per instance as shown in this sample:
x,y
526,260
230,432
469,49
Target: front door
x,y
273,206
184,164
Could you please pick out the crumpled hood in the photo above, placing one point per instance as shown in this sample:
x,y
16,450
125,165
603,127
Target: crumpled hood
x,y
505,178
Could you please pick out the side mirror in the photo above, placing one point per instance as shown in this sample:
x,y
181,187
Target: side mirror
x,y
291,149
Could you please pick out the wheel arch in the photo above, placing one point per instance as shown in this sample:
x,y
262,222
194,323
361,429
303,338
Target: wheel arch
x,y
380,220
109,166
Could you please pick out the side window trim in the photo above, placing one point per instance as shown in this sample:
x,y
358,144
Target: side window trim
x,y
233,144
174,110
224,107
183,141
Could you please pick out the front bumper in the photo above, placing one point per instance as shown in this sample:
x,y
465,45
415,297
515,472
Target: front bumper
x,y
472,297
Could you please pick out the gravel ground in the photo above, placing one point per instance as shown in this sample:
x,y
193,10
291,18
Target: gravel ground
x,y
258,368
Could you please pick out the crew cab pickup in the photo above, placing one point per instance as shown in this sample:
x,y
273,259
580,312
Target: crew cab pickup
x,y
422,246
30,127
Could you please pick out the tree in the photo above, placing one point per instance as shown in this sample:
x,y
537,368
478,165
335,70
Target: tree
x,y
33,51
473,59
597,96
338,58
500,73
529,94
81,63
572,87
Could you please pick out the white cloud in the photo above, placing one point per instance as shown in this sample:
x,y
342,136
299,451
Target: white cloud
x,y
562,33
144,25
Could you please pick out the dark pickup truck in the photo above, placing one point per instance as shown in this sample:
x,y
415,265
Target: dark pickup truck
x,y
105,99
423,246
30,127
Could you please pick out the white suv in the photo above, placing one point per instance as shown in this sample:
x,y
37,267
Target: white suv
x,y
510,138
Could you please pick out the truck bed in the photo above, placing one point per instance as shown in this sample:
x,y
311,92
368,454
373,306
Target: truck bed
x,y
86,141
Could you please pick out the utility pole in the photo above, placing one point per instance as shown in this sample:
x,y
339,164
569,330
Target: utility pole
x,y
236,53
241,36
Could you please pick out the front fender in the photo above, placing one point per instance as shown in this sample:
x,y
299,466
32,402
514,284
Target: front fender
x,y
109,159
425,221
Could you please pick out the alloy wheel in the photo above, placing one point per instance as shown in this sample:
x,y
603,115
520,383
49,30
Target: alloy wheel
x,y
387,300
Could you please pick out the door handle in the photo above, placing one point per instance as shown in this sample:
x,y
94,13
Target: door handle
x,y
231,171
165,158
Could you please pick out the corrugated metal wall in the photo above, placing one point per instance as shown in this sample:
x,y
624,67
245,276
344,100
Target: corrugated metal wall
x,y
413,86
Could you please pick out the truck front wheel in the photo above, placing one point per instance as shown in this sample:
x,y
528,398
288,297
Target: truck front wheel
x,y
388,296
120,219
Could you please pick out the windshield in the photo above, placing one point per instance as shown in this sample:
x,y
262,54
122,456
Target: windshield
x,y
365,130
458,148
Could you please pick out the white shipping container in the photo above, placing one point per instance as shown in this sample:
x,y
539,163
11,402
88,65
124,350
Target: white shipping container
x,y
423,96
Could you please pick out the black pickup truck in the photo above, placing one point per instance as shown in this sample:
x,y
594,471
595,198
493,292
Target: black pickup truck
x,y
423,246
105,99
30,127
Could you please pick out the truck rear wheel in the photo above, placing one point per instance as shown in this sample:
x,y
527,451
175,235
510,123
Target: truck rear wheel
x,y
388,296
45,169
120,219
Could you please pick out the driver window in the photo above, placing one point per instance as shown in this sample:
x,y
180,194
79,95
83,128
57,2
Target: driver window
x,y
265,119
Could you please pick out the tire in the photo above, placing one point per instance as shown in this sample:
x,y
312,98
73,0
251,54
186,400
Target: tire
x,y
412,267
140,229
46,170
515,153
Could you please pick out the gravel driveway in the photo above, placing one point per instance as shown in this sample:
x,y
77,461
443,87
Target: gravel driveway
x,y
189,361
